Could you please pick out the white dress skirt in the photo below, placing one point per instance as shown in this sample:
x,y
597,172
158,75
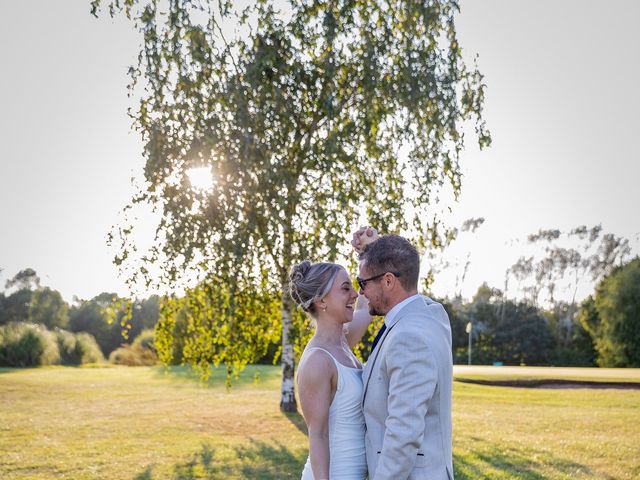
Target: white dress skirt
x,y
347,459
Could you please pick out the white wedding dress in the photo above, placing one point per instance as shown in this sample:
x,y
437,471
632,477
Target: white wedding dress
x,y
347,460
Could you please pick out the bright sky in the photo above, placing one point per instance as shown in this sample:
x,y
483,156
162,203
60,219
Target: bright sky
x,y
562,105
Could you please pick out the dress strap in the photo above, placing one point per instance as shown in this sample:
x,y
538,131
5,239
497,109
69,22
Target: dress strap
x,y
336,362
325,351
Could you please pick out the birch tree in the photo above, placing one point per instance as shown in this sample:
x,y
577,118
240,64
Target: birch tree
x,y
310,115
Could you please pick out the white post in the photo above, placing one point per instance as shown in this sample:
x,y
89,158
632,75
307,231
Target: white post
x,y
469,329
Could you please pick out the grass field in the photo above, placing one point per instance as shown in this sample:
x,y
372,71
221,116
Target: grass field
x,y
147,423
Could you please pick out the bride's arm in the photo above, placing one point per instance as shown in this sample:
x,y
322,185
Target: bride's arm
x,y
361,319
317,380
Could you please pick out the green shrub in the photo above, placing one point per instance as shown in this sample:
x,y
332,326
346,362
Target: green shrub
x,y
69,348
30,345
146,339
133,355
91,352
141,352
77,349
27,345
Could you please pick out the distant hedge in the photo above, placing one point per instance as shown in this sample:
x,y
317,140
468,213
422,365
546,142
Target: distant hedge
x,y
78,348
31,345
133,356
146,339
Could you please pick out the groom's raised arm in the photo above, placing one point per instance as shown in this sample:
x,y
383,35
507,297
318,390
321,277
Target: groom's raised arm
x,y
363,237
361,317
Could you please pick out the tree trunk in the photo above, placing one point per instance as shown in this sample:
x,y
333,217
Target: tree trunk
x,y
288,392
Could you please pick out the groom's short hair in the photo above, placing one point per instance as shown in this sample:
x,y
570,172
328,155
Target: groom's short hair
x,y
395,254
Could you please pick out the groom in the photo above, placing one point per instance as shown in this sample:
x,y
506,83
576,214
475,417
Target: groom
x,y
408,376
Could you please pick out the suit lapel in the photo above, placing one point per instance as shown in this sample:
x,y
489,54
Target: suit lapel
x,y
372,360
374,354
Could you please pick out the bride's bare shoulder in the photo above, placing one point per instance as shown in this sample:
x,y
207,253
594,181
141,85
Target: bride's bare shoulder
x,y
316,364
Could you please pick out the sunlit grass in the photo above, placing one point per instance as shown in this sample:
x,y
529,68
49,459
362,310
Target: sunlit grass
x,y
148,423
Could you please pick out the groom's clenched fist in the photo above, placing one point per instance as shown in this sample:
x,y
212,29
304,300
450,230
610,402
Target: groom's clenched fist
x,y
363,237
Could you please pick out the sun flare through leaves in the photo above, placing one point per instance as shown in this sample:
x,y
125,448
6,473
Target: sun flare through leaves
x,y
200,178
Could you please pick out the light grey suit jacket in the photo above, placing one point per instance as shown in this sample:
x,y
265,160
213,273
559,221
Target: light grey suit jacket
x,y
407,396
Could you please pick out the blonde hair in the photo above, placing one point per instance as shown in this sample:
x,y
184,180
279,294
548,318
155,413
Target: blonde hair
x,y
310,282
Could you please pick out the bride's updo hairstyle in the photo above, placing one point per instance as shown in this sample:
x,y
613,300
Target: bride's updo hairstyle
x,y
310,282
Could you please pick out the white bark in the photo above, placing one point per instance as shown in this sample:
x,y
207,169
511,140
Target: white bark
x,y
288,394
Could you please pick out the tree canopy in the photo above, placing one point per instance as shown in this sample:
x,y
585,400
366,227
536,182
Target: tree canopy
x,y
27,278
48,308
612,317
586,254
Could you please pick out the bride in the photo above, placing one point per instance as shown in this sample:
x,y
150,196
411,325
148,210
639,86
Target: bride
x,y
329,374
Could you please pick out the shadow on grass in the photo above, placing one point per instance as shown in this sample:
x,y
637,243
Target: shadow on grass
x,y
274,461
485,462
298,421
56,367
268,462
27,369
146,475
258,460
252,374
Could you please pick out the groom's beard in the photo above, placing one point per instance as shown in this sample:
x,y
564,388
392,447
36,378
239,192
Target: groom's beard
x,y
377,311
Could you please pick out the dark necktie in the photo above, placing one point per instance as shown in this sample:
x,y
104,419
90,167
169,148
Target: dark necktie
x,y
378,336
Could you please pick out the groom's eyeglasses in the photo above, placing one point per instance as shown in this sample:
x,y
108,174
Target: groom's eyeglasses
x,y
362,282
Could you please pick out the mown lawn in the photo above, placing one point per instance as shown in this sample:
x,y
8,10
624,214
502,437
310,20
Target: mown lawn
x,y
148,423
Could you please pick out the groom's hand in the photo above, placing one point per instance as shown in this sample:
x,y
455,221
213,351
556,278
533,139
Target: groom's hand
x,y
363,237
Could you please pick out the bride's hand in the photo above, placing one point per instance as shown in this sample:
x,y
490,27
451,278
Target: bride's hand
x,y
363,237
362,303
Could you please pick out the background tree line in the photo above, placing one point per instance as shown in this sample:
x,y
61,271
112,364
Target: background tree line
x,y
603,330
537,327
36,322
240,326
